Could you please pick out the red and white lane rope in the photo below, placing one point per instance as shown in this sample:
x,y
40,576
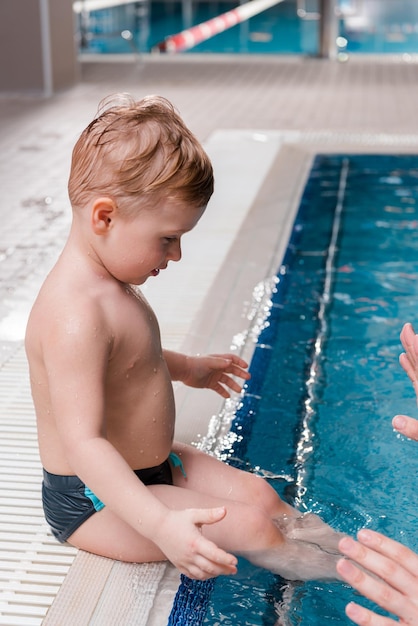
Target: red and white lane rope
x,y
189,38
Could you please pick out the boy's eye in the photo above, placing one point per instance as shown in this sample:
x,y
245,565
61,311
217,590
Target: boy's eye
x,y
170,239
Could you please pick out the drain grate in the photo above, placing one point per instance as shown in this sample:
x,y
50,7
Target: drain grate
x,y
32,564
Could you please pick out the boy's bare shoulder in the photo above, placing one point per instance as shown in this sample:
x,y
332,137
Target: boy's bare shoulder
x,y
67,309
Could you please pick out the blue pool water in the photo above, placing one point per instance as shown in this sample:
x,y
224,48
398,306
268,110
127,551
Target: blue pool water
x,y
353,470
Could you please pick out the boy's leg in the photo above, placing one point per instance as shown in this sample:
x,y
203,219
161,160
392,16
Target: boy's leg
x,y
255,525
208,475
244,527
246,531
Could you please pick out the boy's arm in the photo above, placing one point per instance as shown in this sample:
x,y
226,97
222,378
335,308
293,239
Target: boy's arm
x,y
77,364
213,371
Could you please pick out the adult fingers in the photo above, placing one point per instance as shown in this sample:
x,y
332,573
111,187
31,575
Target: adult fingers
x,y
392,549
362,616
396,589
407,426
409,360
377,591
408,366
408,338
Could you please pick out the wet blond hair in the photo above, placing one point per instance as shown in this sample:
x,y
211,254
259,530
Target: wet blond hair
x,y
138,152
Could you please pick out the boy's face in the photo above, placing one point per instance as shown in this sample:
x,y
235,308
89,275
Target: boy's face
x,y
142,246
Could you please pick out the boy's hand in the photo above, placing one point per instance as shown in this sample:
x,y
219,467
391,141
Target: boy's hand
x,y
215,371
181,540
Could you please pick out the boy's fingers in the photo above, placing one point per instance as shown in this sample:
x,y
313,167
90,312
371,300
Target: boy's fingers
x,y
206,568
208,516
233,360
231,383
207,548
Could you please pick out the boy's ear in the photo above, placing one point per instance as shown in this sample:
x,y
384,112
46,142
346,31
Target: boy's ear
x,y
103,212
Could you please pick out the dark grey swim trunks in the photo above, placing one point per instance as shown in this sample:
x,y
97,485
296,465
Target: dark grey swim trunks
x,y
68,502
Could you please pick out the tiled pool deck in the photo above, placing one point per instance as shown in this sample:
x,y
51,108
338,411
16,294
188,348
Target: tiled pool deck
x,y
260,119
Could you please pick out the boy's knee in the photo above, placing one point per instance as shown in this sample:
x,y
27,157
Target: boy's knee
x,y
261,531
256,520
261,494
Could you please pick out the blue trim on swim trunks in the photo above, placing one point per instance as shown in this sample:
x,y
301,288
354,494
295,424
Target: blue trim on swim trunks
x,y
98,504
177,462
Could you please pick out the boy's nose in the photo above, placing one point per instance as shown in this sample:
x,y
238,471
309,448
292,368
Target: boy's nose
x,y
175,251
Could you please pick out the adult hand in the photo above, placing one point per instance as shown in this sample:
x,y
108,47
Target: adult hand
x,y
395,587
408,426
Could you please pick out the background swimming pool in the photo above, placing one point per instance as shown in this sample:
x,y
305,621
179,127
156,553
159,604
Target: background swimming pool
x,y
359,472
371,26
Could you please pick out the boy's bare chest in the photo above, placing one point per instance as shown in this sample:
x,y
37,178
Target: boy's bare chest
x,y
136,355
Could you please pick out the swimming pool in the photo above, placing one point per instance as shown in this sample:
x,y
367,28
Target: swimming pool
x,y
276,30
368,27
326,380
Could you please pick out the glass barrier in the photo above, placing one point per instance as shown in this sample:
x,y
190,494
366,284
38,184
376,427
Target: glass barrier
x,y
140,26
288,27
378,26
